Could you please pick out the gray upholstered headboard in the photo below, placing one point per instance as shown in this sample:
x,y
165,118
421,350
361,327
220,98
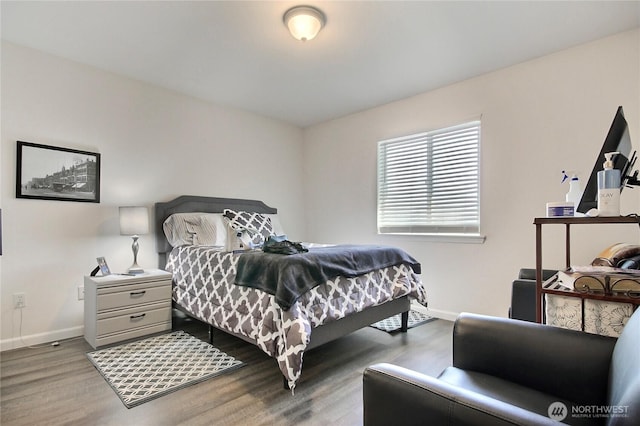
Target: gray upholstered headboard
x,y
194,203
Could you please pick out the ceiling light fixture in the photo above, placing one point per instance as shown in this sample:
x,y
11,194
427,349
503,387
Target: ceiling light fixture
x,y
304,22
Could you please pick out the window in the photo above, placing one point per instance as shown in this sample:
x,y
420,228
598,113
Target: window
x,y
429,183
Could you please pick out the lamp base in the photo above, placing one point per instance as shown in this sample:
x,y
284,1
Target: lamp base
x,y
135,270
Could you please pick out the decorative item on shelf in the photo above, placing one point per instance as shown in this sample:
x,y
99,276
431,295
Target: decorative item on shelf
x,y
560,209
304,22
134,221
609,188
602,280
628,287
618,255
575,191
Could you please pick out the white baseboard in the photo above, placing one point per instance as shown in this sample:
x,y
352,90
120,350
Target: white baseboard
x,y
41,338
446,315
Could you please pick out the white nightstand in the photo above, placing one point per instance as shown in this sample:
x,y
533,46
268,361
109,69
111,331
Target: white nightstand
x,y
122,307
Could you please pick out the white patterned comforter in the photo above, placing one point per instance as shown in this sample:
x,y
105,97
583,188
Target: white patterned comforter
x,y
203,284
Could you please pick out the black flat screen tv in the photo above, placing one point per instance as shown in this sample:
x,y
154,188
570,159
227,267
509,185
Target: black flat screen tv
x,y
617,140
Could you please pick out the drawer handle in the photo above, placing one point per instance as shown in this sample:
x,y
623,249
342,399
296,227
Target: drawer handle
x,y
137,293
137,317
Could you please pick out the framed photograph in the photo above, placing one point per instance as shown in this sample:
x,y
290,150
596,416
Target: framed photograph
x,y
102,264
53,173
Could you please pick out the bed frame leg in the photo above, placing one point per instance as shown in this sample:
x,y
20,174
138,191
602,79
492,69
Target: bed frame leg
x,y
404,321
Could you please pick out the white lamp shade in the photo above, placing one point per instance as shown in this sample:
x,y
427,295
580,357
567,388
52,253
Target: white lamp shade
x,y
304,22
134,220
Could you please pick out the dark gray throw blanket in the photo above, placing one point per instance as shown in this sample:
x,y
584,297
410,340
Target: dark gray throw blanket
x,y
288,277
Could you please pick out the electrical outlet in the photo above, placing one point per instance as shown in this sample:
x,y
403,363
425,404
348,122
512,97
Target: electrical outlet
x,y
19,300
80,292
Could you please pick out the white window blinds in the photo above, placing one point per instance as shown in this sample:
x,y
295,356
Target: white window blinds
x,y
429,183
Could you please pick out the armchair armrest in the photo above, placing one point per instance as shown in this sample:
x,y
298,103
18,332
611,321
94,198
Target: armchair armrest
x,y
567,363
523,300
396,395
523,294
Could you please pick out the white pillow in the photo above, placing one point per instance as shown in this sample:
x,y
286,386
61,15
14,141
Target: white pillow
x,y
200,229
195,229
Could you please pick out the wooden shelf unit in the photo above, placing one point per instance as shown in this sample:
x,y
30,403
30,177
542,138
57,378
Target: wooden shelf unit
x,y
567,222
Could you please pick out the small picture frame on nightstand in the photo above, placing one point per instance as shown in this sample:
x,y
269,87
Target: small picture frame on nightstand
x,y
102,264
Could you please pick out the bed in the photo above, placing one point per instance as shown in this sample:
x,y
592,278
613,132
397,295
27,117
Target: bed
x,y
204,288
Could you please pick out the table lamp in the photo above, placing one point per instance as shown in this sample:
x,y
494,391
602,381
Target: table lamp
x,y
134,221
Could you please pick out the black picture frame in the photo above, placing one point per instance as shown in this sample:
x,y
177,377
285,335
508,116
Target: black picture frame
x,y
46,172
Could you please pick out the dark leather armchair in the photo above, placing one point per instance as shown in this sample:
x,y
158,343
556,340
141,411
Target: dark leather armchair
x,y
523,294
509,372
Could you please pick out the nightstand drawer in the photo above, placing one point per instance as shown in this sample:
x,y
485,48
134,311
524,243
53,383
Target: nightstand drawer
x,y
135,318
133,295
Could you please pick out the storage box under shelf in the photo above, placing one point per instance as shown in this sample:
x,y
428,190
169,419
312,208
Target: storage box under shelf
x,y
592,313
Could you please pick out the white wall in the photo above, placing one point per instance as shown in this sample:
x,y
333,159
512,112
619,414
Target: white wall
x,y
538,118
155,145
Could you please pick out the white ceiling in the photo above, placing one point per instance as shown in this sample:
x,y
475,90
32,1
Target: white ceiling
x,y
240,54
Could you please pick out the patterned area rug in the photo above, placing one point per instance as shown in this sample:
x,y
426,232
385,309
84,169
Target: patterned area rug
x,y
141,371
394,323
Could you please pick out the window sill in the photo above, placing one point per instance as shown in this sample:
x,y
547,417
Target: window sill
x,y
444,238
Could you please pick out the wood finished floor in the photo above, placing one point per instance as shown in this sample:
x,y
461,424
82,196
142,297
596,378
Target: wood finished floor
x,y
59,386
